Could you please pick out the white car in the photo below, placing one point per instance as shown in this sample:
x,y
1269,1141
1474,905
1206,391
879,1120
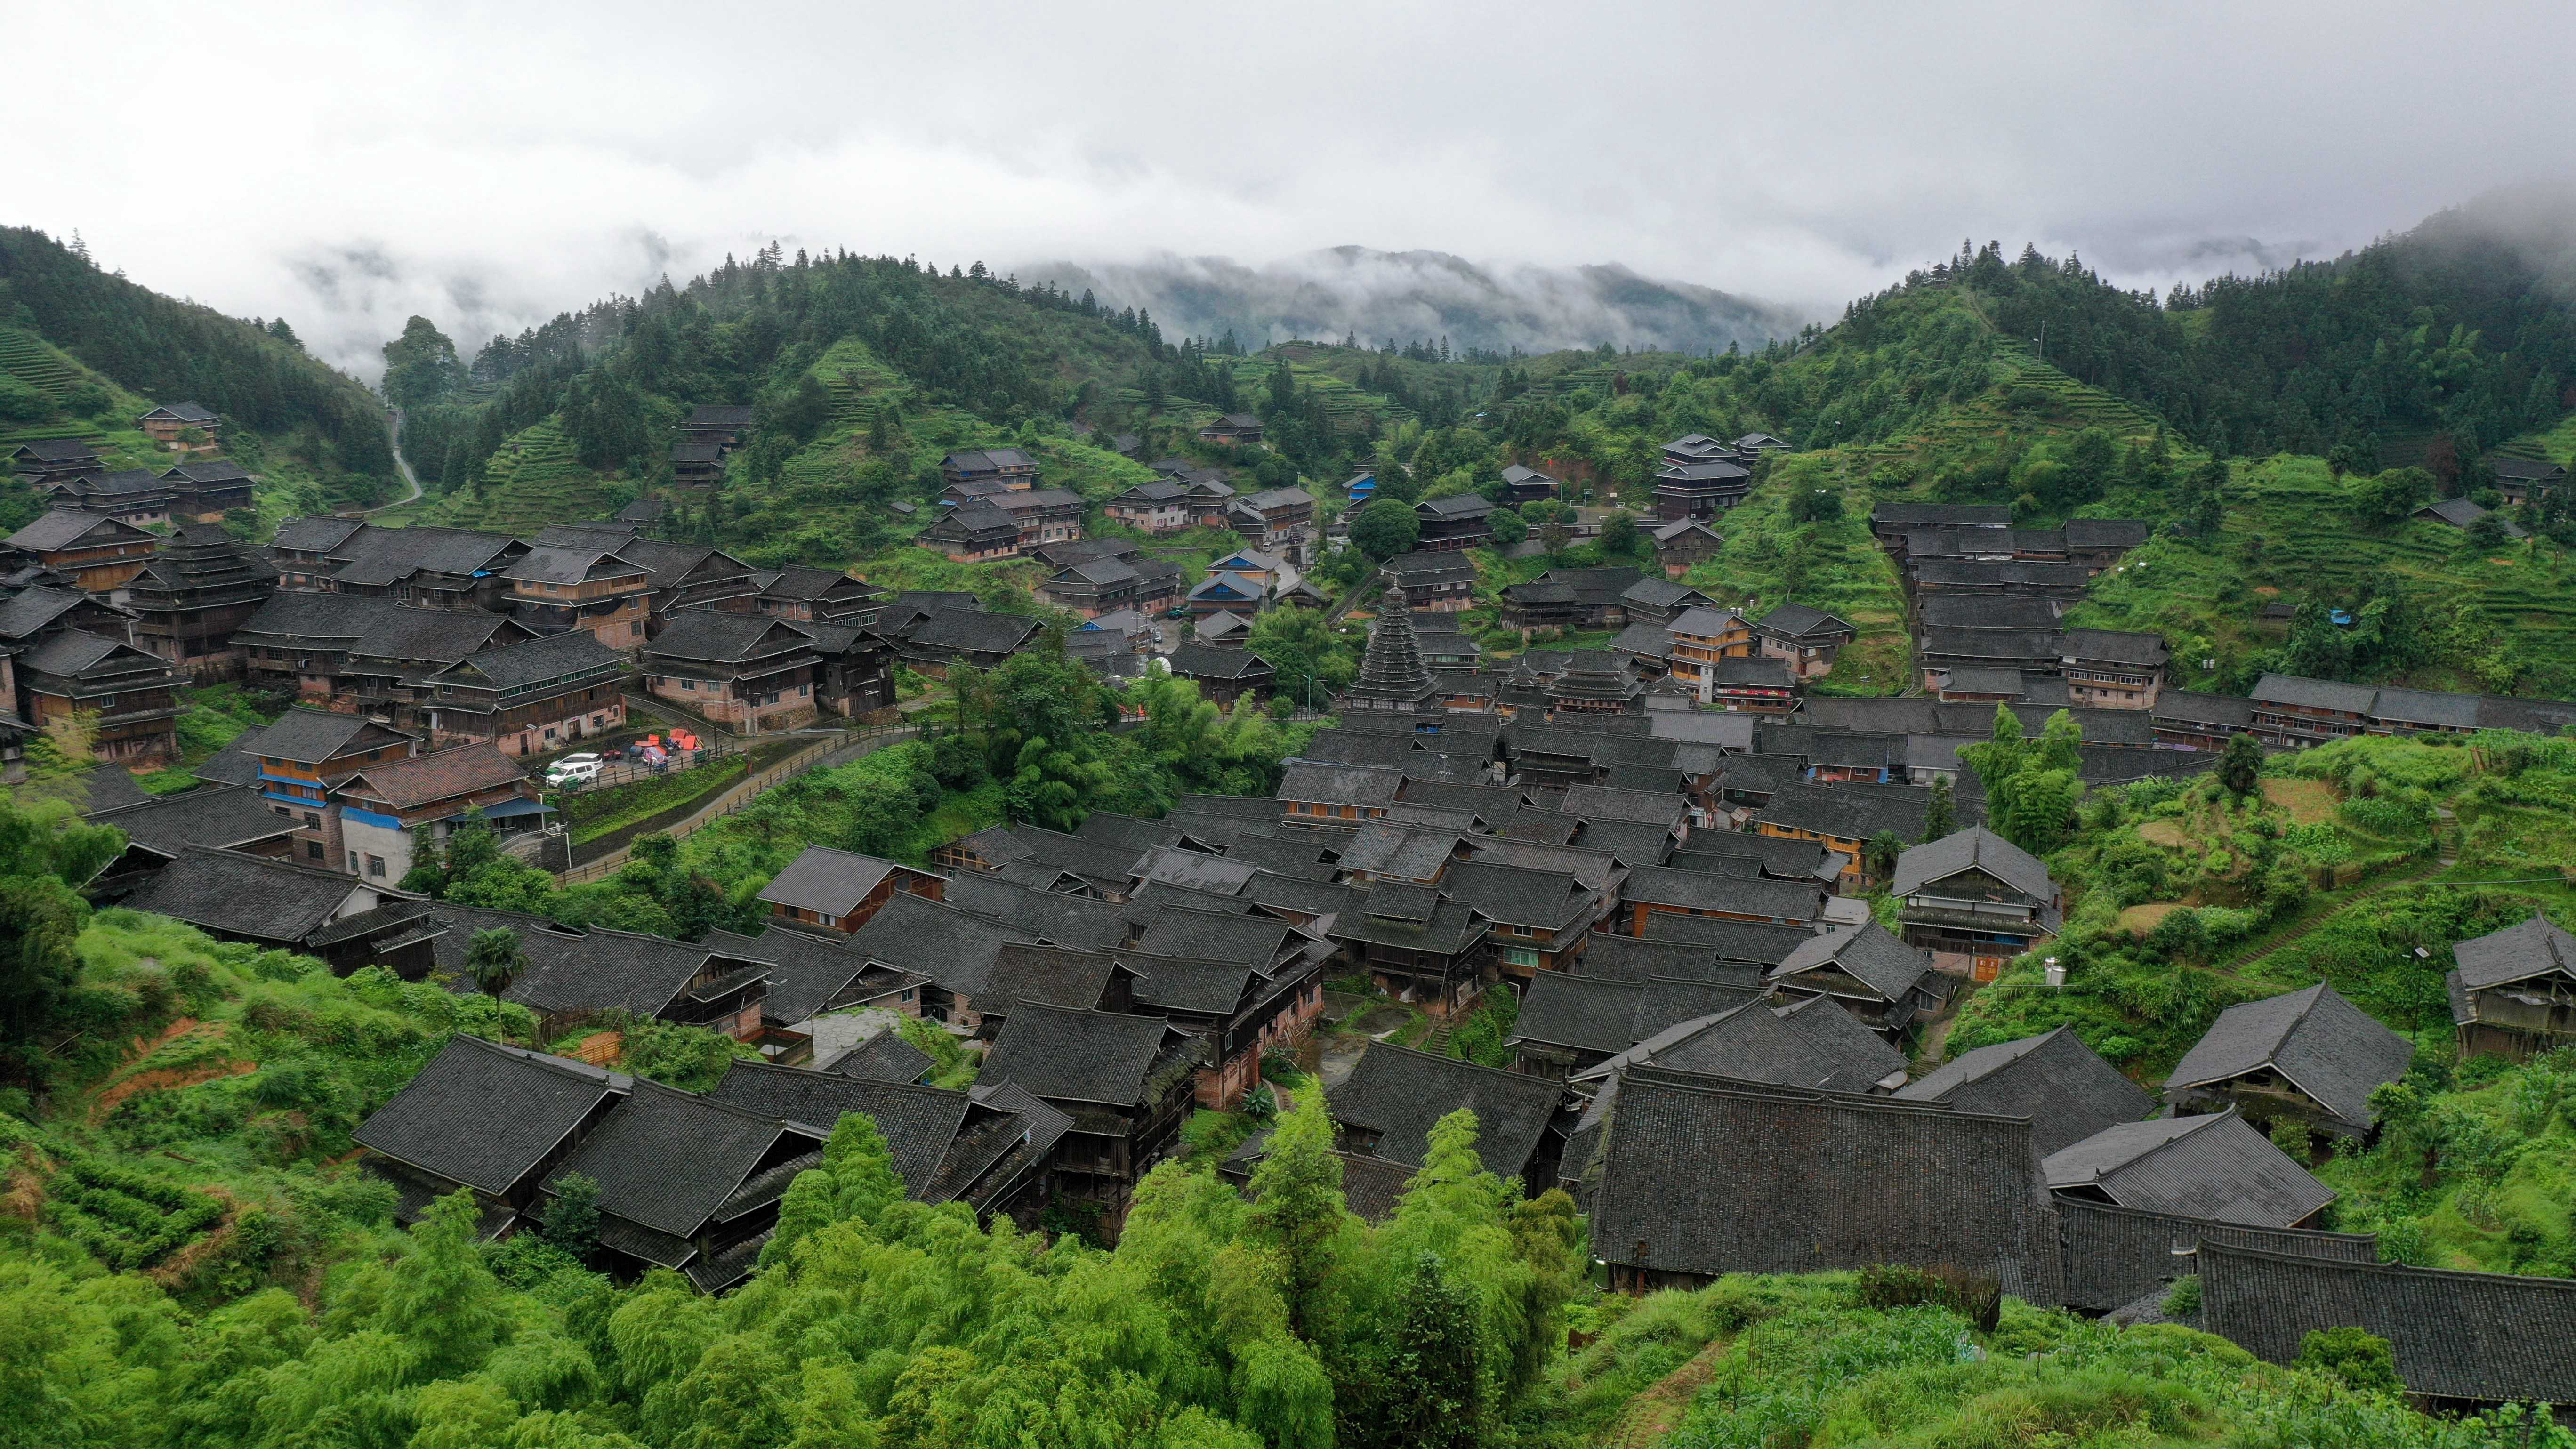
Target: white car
x,y
571,768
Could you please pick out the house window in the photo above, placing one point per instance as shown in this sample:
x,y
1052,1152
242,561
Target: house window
x,y
688,684
312,821
1520,956
353,862
375,865
313,850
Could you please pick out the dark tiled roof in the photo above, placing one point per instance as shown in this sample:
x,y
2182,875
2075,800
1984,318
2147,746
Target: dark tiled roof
x,y
534,661
1315,781
1636,958
1752,1041
805,972
212,815
1401,1095
63,527
715,636
2476,1336
28,611
1700,1176
244,895
2115,646
973,631
313,736
2116,1255
917,1123
1095,1057
2331,1049
487,1115
1869,954
2534,948
1703,891
1601,802
938,942
1975,848
1608,1015
2054,1079
2204,1167
1942,515
1847,811
821,879
2327,694
667,1159
1800,619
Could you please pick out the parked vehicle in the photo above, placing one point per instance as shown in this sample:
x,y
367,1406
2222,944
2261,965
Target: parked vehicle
x,y
581,768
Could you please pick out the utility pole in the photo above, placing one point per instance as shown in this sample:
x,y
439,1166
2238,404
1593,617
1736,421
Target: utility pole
x,y
2042,340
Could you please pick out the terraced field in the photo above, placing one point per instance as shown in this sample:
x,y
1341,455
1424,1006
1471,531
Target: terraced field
x,y
859,384
2290,534
535,480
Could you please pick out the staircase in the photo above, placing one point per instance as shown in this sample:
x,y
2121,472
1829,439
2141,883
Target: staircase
x,y
1437,1043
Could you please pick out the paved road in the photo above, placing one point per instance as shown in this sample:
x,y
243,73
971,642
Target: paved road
x,y
400,462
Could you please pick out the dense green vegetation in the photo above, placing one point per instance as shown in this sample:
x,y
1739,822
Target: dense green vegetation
x,y
2186,898
294,408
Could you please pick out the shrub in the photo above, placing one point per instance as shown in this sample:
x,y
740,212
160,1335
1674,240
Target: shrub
x,y
2361,1359
2182,1301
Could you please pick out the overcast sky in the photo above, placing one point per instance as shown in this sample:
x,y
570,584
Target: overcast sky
x,y
489,165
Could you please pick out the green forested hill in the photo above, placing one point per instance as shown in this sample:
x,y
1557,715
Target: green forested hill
x,y
80,347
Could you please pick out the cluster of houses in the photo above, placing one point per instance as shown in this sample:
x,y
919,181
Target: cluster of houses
x,y
1989,601
1701,477
1672,894
992,505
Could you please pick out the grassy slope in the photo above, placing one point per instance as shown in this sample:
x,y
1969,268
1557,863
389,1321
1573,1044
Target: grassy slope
x,y
1769,1361
2290,535
287,483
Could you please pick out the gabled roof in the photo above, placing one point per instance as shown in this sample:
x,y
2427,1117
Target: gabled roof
x,y
919,1124
1401,1095
1458,506
668,1159
29,611
885,1057
63,527
1704,891
2516,953
214,816
602,970
715,636
571,565
1314,781
1638,958
1097,1058
2206,1167
423,779
1609,1015
243,895
2332,1050
312,736
1975,848
973,631
2291,689
805,972
2054,1079
1750,1040
830,882
487,1115
1797,620
1703,1176
1869,954
533,661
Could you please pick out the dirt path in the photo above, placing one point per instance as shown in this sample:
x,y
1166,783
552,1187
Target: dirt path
x,y
1656,1412
120,1088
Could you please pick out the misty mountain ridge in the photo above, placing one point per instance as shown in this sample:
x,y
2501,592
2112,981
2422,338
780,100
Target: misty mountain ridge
x,y
1328,295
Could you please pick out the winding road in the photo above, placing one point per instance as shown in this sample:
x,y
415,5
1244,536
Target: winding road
x,y
395,417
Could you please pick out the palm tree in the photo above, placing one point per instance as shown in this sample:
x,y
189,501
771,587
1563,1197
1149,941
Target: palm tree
x,y
495,960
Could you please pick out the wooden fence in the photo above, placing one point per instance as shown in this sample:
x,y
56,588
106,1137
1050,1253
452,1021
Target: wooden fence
x,y
595,859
